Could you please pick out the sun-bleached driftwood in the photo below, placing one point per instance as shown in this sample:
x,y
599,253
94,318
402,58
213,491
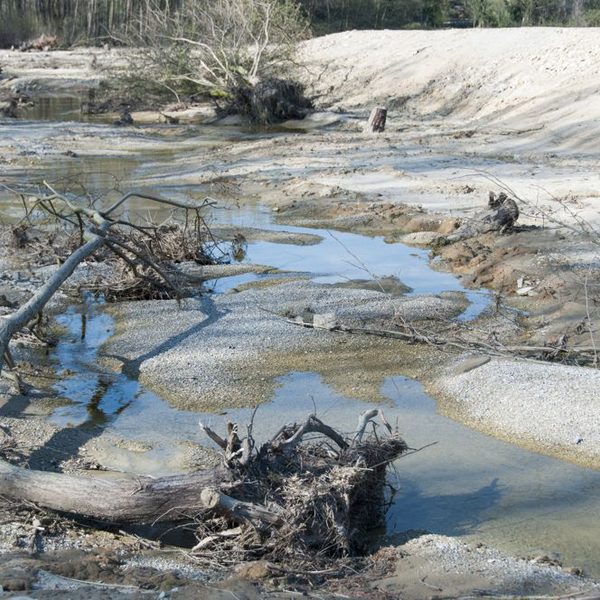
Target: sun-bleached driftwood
x,y
364,419
128,500
238,510
501,215
293,497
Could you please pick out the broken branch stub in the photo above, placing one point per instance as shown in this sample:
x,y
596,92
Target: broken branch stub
x,y
238,510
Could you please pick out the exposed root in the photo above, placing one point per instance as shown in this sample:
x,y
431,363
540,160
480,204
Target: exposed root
x,y
269,101
324,497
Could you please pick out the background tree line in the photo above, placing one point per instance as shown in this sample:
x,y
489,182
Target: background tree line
x,y
75,21
338,15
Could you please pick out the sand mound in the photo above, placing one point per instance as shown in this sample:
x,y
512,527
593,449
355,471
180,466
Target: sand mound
x,y
503,79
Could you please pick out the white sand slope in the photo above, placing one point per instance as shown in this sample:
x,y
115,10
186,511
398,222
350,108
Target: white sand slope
x,y
504,79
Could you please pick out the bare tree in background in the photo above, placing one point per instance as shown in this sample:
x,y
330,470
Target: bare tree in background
x,y
215,47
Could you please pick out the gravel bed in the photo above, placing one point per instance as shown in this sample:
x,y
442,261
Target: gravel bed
x,y
195,352
551,406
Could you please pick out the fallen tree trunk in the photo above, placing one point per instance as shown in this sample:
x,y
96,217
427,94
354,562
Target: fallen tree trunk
x,y
94,231
289,498
140,500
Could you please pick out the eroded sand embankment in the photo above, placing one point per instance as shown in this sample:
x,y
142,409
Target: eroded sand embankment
x,y
540,83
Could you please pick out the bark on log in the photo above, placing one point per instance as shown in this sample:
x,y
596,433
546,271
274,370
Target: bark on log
x,y
376,122
141,500
238,510
501,215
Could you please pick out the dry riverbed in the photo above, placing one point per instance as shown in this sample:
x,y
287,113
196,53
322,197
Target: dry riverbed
x,y
506,125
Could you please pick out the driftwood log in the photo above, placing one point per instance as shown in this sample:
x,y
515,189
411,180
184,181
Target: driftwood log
x,y
289,498
139,500
501,215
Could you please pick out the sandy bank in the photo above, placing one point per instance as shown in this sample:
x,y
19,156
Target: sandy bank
x,y
546,407
515,80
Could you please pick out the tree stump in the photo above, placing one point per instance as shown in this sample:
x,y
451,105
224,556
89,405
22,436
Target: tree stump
x,y
376,122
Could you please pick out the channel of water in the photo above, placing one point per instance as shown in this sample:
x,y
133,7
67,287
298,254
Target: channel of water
x,y
468,484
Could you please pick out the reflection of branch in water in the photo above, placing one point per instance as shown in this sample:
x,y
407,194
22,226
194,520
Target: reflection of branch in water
x,y
361,264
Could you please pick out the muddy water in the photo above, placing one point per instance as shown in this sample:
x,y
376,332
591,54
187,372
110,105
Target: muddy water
x,y
467,484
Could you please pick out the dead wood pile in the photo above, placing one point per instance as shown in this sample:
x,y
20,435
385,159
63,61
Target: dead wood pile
x,y
270,101
137,262
306,498
140,250
322,497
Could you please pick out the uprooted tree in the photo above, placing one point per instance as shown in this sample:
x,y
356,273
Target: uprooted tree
x,y
234,51
308,500
288,499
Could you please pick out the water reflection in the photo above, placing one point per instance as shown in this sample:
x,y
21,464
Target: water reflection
x,y
448,514
53,108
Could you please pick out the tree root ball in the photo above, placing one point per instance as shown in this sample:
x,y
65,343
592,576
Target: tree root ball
x,y
268,102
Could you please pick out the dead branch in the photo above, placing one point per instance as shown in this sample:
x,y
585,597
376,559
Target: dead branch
x,y
238,510
583,354
366,418
95,230
287,442
13,323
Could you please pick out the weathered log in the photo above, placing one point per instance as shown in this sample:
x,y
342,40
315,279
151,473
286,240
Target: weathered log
x,y
139,500
377,118
501,215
